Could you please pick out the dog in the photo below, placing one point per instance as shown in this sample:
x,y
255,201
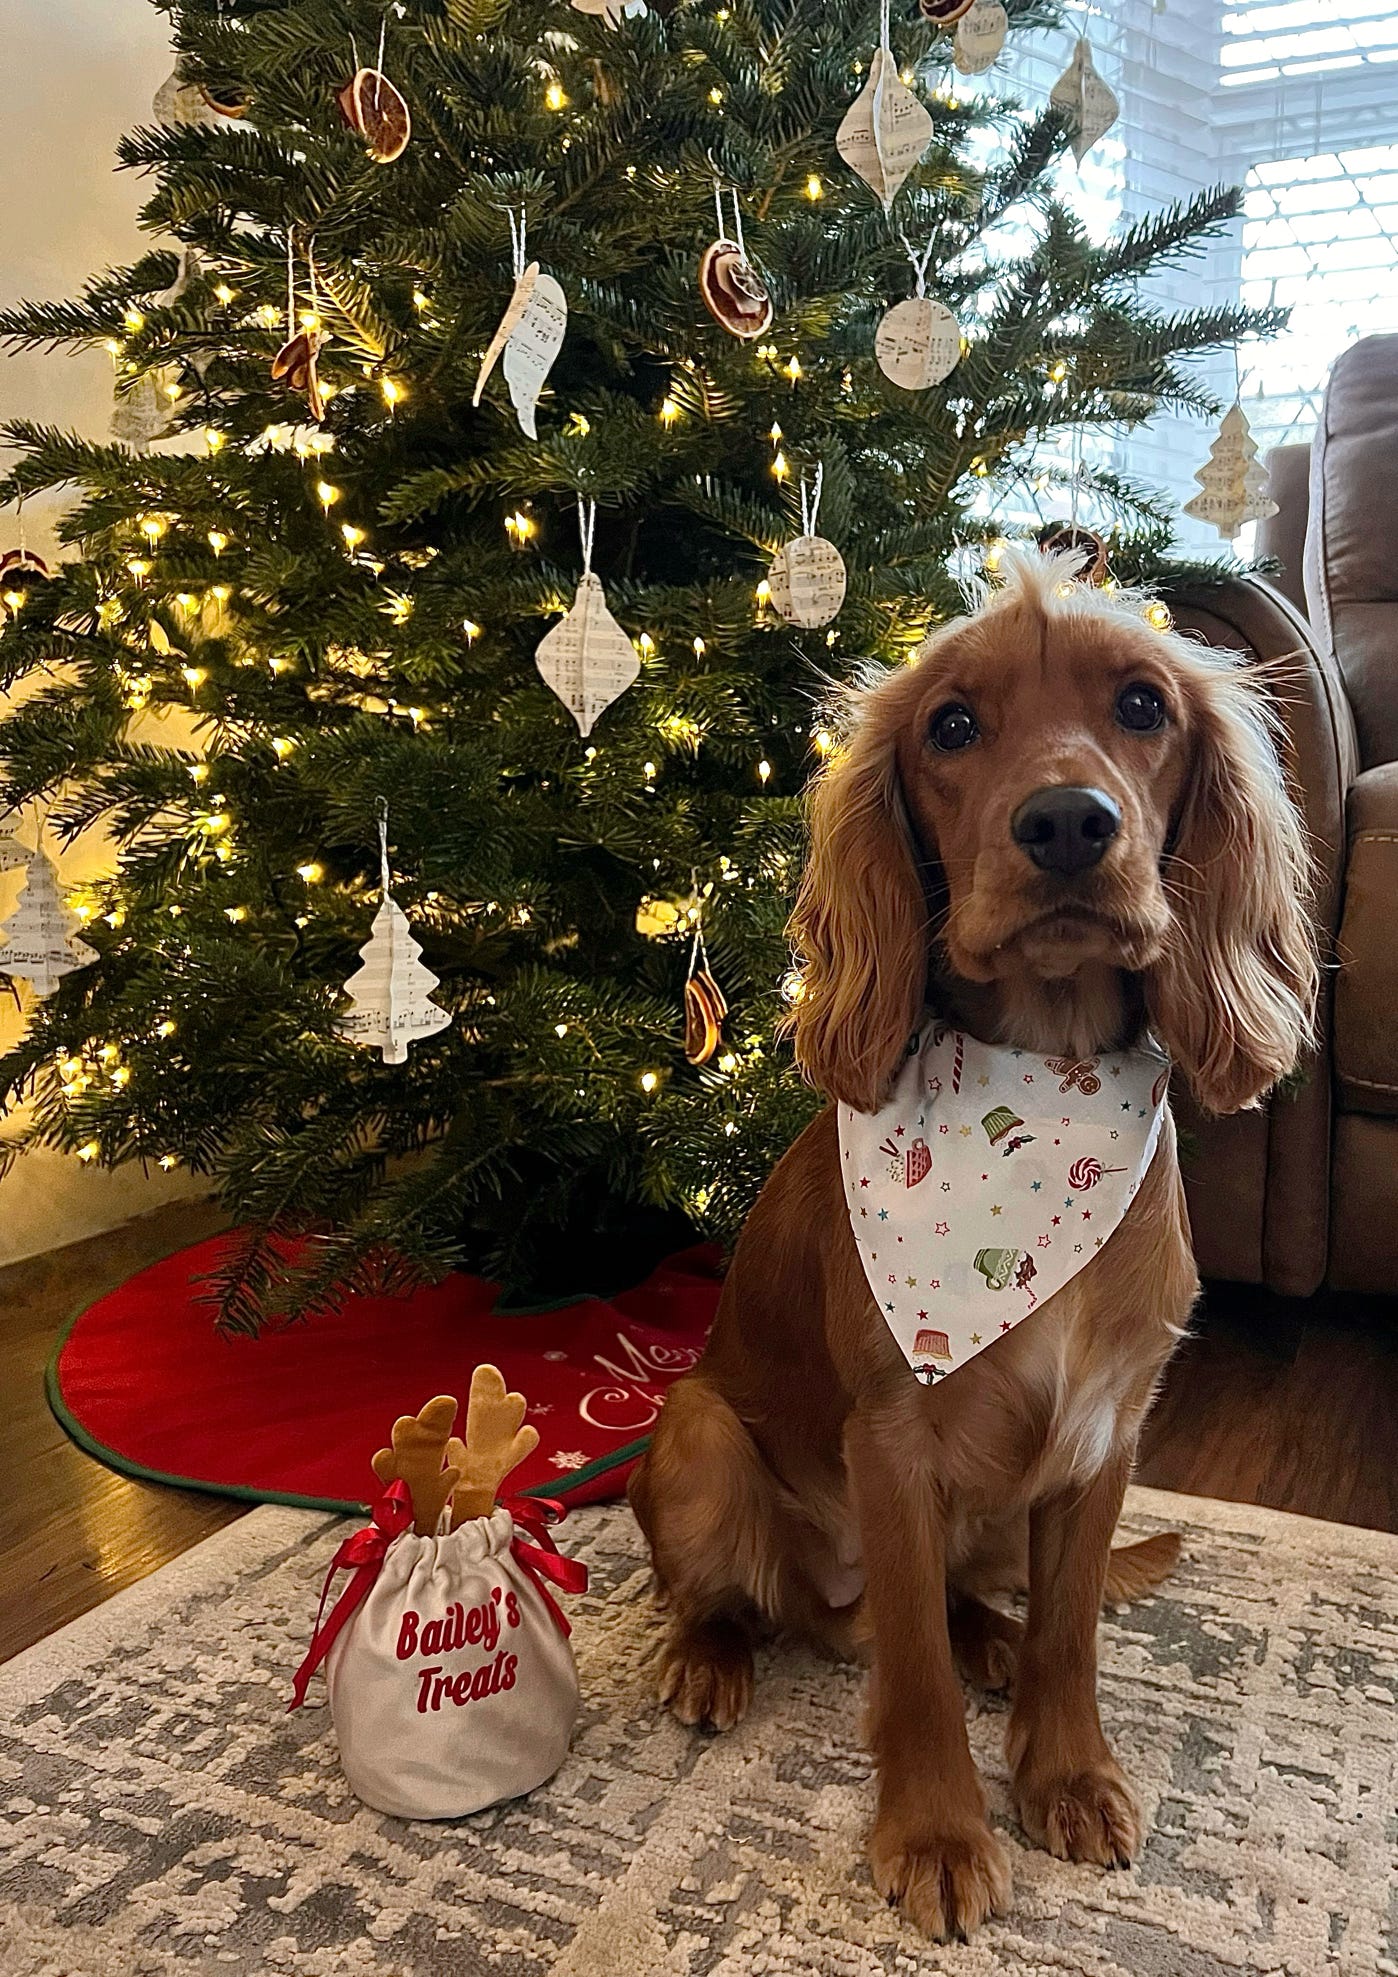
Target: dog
x,y
1060,829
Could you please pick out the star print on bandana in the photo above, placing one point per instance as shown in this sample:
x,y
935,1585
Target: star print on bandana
x,y
995,1155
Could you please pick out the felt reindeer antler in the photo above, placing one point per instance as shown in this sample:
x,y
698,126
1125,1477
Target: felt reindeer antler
x,y
421,1442
496,1442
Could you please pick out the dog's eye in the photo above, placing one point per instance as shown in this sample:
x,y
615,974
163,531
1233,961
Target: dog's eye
x,y
953,727
1140,708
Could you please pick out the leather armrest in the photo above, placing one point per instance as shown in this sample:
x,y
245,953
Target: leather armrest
x,y
1259,1185
1366,993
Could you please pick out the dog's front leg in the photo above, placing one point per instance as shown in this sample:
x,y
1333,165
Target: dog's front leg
x,y
1073,1798
931,1848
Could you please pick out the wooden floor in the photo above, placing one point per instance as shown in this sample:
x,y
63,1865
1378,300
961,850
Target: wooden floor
x,y
1269,1403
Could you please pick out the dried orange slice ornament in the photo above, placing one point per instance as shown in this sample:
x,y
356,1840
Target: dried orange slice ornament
x,y
375,109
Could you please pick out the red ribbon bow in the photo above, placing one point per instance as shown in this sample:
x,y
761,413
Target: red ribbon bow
x,y
364,1551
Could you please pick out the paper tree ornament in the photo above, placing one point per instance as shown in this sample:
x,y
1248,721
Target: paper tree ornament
x,y
917,343
141,410
885,130
1232,481
12,852
587,658
530,336
980,35
1085,100
40,941
390,994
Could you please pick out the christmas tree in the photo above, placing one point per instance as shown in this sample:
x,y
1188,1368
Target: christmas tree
x,y
343,570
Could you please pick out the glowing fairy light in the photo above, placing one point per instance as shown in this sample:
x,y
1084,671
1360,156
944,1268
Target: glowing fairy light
x,y
217,541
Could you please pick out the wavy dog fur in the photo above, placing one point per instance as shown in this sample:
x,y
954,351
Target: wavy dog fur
x,y
799,1477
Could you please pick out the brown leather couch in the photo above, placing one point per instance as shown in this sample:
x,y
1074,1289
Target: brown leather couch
x,y
1305,1194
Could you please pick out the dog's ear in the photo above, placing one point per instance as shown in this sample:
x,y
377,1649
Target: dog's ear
x,y
1233,996
861,922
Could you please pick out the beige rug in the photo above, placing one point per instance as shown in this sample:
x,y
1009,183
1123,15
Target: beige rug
x,y
161,1814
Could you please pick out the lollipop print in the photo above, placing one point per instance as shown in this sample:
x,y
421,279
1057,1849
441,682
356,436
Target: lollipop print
x,y
1087,1172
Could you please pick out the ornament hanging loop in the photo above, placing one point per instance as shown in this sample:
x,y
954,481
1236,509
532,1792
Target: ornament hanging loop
x,y
919,261
737,234
382,808
810,502
518,226
587,528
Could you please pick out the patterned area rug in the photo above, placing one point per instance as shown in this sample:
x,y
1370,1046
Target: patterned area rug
x,y
163,1814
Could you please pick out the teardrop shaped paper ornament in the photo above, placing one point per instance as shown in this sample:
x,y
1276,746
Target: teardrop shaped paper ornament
x,y
733,292
1085,100
807,581
40,940
884,131
390,993
531,348
980,35
587,658
917,343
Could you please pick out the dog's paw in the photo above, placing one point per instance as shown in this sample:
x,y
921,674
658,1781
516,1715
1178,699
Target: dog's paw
x,y
1091,1815
948,1884
706,1676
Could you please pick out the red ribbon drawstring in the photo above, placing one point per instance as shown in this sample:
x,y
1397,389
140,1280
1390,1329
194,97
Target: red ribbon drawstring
x,y
542,1559
364,1552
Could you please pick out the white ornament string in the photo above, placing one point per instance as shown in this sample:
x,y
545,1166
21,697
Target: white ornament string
x,y
290,283
517,238
378,67
811,508
737,234
587,527
383,845
920,262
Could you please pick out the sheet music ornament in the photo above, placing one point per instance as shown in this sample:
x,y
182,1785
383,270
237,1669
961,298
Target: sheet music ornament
x,y
587,658
886,129
807,578
391,993
530,334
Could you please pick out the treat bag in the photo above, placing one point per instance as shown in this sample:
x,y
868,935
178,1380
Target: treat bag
x,y
453,1685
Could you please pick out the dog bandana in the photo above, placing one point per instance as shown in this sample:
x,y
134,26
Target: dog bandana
x,y
988,1180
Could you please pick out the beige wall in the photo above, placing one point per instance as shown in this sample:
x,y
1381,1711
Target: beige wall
x,y
89,69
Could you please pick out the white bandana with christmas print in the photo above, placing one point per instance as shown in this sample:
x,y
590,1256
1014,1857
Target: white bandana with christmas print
x,y
988,1180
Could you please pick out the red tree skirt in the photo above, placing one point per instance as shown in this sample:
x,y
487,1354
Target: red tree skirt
x,y
141,1379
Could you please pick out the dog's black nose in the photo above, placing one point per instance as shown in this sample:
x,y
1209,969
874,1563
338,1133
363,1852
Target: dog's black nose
x,y
1065,829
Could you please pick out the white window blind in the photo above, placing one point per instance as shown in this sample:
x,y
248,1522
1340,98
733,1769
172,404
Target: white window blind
x,y
1293,99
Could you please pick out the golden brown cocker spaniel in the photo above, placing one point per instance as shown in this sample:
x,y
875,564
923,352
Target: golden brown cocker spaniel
x,y
1059,828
